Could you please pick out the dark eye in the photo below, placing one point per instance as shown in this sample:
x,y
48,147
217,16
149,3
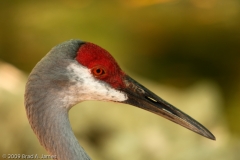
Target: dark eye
x,y
98,71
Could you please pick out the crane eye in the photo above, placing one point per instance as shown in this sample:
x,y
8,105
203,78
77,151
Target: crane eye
x,y
98,71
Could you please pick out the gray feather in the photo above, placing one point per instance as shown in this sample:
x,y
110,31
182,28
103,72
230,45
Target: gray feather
x,y
46,110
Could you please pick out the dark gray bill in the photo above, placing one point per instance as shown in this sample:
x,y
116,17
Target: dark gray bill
x,y
141,97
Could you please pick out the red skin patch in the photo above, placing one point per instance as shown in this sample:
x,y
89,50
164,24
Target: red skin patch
x,y
92,56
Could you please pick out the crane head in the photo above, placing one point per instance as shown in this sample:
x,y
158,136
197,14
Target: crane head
x,y
77,71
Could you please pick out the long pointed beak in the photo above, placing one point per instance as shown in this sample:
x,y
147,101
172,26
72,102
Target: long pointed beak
x,y
141,97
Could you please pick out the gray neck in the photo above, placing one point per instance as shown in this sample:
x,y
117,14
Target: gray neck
x,y
48,99
49,120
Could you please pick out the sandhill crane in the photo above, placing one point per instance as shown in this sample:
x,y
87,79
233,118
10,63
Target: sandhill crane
x,y
75,71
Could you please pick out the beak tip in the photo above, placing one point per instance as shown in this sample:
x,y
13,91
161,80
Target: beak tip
x,y
209,135
213,138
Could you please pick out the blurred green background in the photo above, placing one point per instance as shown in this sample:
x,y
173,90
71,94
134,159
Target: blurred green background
x,y
186,51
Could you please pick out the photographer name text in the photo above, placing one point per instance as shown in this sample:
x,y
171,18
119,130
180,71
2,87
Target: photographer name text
x,y
28,156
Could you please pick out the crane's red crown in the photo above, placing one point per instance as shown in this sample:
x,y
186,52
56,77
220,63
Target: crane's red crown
x,y
102,65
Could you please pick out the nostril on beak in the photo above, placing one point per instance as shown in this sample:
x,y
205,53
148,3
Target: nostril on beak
x,y
151,99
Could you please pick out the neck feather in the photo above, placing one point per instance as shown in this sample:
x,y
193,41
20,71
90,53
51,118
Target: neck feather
x,y
49,121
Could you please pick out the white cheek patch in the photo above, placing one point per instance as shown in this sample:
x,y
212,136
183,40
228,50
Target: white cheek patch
x,y
84,86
